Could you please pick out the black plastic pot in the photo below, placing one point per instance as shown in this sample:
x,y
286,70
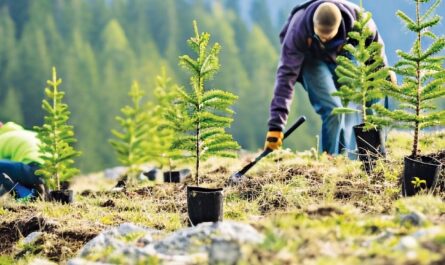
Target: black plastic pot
x,y
424,168
204,205
370,146
176,176
151,174
62,196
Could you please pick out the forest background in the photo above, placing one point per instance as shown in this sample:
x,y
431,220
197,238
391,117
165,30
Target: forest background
x,y
100,46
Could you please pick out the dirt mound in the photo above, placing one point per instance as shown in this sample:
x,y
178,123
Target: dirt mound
x,y
11,232
56,242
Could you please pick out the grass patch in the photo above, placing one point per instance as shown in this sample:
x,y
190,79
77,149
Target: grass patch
x,y
312,209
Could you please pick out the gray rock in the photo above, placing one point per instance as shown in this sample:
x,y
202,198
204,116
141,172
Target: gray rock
x,y
380,238
414,218
198,238
412,241
214,243
407,243
113,238
224,252
40,261
79,261
429,232
32,238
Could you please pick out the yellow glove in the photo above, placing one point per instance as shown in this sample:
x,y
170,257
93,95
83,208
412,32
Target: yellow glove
x,y
274,140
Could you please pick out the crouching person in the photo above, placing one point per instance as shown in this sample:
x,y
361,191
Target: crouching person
x,y
19,160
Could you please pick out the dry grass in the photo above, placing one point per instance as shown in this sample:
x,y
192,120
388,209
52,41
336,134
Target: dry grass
x,y
297,199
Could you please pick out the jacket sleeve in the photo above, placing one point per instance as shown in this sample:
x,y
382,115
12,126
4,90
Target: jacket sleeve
x,y
289,67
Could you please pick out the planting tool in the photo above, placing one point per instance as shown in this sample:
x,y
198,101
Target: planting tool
x,y
236,178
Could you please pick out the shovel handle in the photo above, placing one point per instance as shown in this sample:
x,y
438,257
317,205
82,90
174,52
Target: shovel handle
x,y
297,124
288,132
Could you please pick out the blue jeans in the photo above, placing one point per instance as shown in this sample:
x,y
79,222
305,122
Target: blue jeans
x,y
17,173
319,80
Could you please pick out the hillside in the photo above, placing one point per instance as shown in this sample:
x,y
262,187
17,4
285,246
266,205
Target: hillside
x,y
309,210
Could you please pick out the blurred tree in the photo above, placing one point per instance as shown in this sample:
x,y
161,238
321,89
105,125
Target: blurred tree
x,y
19,12
117,64
130,141
11,109
164,27
7,49
82,96
160,137
261,16
255,99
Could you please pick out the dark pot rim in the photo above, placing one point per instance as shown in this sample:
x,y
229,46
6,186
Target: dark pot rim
x,y
203,190
362,126
61,191
171,171
429,160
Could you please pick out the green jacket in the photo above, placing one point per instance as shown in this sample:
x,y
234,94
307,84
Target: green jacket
x,y
18,144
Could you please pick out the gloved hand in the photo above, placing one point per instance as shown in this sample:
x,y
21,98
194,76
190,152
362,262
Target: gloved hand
x,y
274,140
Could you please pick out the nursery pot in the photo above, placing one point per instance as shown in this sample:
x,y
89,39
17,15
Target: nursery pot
x,y
370,145
424,168
204,205
62,196
151,174
176,176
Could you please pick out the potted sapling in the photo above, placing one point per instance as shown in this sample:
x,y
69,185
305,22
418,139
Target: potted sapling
x,y
200,124
130,141
56,138
161,136
423,83
361,72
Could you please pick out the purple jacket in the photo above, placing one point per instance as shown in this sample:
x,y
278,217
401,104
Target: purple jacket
x,y
298,45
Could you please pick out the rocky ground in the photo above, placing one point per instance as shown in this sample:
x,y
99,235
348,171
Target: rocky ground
x,y
293,208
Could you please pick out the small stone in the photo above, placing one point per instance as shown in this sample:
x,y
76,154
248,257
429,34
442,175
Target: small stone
x,y
39,261
224,252
407,243
32,238
430,232
414,218
78,261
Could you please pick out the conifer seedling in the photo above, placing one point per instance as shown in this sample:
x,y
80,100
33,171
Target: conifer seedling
x,y
56,137
204,113
131,141
160,135
423,76
363,77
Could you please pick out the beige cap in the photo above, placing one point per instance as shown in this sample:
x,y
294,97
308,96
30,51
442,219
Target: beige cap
x,y
327,19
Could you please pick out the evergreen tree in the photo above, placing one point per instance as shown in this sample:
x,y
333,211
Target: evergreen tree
x,y
255,99
260,13
80,61
130,142
423,77
233,76
199,127
32,47
56,137
363,77
7,48
160,135
11,110
164,28
117,63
